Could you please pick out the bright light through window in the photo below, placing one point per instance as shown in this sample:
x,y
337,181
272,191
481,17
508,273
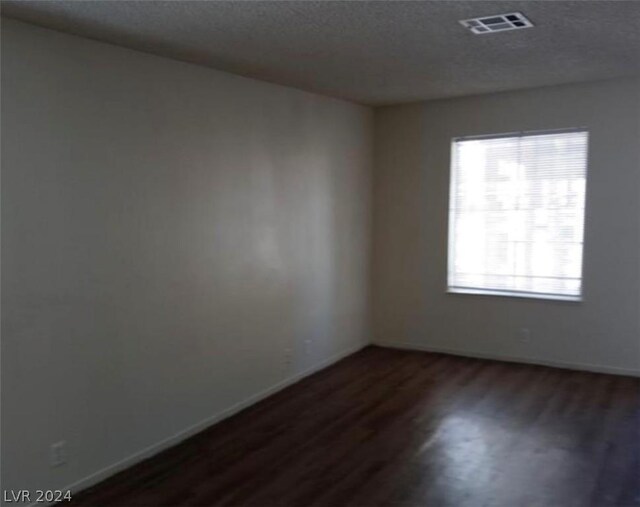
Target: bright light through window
x,y
516,215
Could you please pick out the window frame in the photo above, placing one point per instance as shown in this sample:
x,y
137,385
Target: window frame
x,y
474,291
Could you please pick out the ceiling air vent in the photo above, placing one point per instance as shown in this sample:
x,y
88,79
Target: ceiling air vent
x,y
499,23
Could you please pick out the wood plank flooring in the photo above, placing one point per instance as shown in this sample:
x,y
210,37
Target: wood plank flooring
x,y
397,428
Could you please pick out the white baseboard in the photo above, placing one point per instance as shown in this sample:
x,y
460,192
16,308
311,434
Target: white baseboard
x,y
615,370
158,447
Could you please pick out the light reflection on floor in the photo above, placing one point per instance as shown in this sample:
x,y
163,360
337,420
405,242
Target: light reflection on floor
x,y
470,451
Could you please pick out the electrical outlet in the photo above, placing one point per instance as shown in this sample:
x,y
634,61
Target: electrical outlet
x,y
288,357
307,346
525,334
58,453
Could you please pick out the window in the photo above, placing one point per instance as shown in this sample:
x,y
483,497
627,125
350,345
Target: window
x,y
516,214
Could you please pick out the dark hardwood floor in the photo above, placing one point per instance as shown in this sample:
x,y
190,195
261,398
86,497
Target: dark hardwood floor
x,y
395,428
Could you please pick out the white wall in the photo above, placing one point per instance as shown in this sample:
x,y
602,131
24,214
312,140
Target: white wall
x,y
168,231
411,188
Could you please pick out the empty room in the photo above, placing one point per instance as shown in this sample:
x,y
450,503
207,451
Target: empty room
x,y
320,253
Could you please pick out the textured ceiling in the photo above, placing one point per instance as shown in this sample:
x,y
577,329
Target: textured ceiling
x,y
373,52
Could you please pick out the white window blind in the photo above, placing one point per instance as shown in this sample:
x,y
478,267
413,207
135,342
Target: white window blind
x,y
516,215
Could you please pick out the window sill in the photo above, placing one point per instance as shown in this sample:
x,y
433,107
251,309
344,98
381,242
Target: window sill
x,y
513,294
